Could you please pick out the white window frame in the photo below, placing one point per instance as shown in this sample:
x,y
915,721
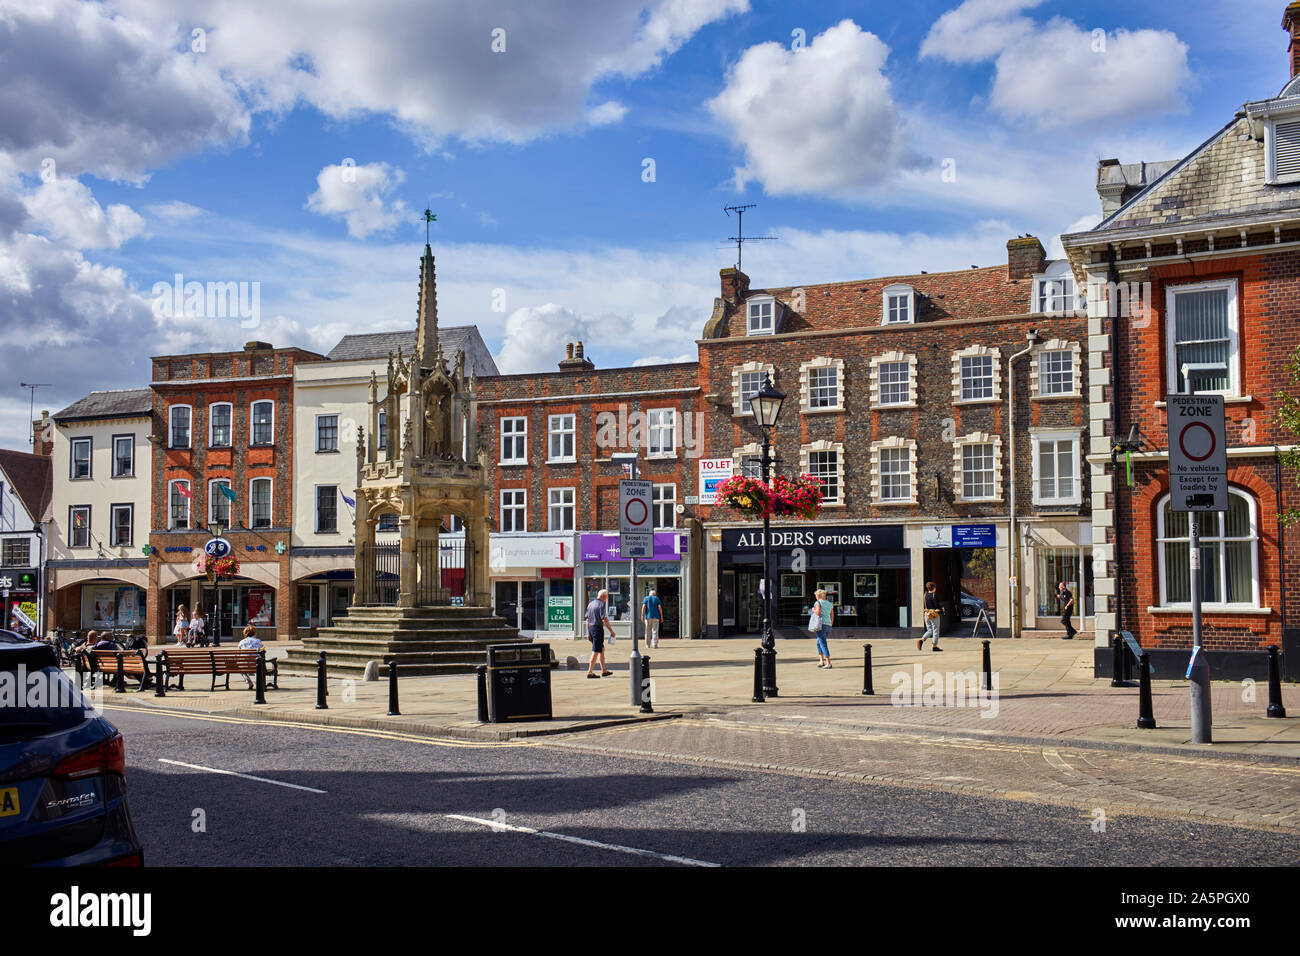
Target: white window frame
x,y
189,426
1162,539
806,373
252,504
112,525
72,525
663,497
189,504
112,451
1234,343
823,447
72,459
215,497
897,291
552,505
959,465
654,423
212,441
971,352
877,475
1055,435
1270,148
252,423
520,437
757,302
562,431
518,507
738,405
1038,305
1036,375
337,434
893,358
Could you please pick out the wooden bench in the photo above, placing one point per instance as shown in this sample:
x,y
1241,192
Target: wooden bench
x,y
115,665
214,662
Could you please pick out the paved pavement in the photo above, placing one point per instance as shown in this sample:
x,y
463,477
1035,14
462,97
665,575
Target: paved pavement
x,y
226,790
1045,689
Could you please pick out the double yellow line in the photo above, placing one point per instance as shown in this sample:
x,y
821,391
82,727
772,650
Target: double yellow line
x,y
324,728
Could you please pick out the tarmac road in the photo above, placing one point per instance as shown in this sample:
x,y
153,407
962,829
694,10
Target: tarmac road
x,y
328,797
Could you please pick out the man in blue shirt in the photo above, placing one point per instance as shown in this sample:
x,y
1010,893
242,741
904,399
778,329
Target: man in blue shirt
x,y
651,614
597,622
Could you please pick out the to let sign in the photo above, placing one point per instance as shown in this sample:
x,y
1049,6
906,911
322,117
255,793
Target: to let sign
x,y
635,522
1198,453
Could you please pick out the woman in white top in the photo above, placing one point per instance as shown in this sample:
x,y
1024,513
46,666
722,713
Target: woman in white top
x,y
181,630
196,628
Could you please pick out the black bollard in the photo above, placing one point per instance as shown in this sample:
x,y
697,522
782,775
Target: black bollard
x,y
321,690
758,676
1146,716
1275,708
119,682
645,686
769,672
868,689
1117,662
986,678
481,671
259,680
392,690
160,675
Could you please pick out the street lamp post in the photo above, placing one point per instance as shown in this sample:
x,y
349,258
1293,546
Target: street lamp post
x,y
1013,544
765,405
215,529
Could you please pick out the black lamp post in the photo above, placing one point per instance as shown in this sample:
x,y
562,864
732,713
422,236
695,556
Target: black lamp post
x,y
215,529
766,408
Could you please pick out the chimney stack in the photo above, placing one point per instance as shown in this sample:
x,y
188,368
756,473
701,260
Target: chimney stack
x,y
43,435
1025,257
574,360
735,285
1291,24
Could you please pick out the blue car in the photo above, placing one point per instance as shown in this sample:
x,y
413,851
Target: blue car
x,y
62,769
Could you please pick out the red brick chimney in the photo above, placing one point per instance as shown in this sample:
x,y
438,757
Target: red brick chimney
x,y
1025,257
574,360
1291,24
735,284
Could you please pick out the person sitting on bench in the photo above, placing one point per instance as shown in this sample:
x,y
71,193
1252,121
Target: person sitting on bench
x,y
251,642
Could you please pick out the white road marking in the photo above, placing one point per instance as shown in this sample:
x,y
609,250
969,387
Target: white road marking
x,y
634,851
231,773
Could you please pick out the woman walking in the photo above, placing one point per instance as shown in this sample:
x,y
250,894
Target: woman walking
x,y
824,615
181,629
931,617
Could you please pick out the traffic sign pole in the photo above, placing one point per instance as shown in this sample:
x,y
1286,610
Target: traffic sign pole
x,y
1198,672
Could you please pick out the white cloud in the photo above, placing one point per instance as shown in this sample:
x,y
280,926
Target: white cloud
x,y
65,210
173,211
606,113
357,195
820,120
1058,74
93,92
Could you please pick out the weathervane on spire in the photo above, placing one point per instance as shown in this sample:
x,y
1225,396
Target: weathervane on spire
x,y
428,218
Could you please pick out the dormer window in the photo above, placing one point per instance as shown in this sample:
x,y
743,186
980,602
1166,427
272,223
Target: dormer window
x,y
1282,149
1055,292
899,306
761,311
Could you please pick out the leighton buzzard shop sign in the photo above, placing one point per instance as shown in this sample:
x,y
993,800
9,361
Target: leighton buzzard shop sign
x,y
880,537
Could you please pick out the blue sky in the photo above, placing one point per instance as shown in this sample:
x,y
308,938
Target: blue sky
x,y
295,145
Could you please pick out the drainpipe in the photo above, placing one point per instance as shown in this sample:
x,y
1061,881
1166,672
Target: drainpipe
x,y
1013,543
1116,425
1281,532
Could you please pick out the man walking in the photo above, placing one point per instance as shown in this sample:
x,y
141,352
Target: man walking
x,y
1066,597
597,623
651,614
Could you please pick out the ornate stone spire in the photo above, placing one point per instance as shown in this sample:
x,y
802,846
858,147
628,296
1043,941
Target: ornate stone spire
x,y
426,338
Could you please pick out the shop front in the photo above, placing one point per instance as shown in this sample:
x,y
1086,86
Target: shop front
x,y
667,573
1060,550
866,571
323,597
239,601
532,582
19,597
962,561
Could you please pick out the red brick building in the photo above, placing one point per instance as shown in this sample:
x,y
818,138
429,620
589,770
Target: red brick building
x,y
899,392
555,490
223,419
1198,276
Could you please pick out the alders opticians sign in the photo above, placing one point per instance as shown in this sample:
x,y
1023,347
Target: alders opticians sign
x,y
836,538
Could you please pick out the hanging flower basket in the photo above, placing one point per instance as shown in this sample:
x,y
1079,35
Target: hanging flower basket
x,y
781,498
226,567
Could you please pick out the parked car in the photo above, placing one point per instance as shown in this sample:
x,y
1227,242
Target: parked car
x,y
971,605
62,769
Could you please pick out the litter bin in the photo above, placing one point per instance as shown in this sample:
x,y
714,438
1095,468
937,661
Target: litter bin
x,y
519,682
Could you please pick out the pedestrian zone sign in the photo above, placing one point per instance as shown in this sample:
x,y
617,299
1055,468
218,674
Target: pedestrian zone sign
x,y
1198,454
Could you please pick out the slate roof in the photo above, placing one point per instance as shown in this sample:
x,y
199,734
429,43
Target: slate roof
x,y
118,403
31,477
373,345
